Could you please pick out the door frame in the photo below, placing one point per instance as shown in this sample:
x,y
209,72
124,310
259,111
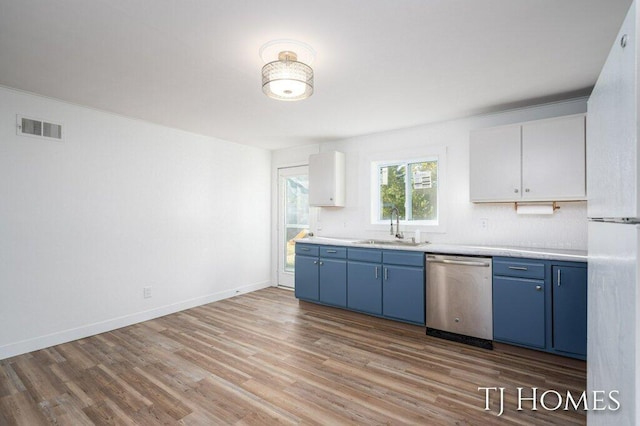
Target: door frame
x,y
285,278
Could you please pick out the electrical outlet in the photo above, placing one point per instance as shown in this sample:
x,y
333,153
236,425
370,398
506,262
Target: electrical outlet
x,y
146,292
484,223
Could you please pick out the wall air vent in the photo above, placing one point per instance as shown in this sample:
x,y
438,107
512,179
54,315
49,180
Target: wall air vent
x,y
35,127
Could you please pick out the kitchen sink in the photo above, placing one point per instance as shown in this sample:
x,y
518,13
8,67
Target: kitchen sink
x,y
408,243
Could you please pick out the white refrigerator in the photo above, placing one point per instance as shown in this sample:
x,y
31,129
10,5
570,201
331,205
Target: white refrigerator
x,y
613,190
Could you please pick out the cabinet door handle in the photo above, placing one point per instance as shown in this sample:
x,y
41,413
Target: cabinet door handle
x,y
538,288
315,262
559,276
518,268
321,263
516,190
376,272
332,251
527,190
386,273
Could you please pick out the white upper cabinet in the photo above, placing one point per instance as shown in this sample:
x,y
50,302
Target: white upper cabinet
x,y
326,179
535,161
553,159
612,130
495,164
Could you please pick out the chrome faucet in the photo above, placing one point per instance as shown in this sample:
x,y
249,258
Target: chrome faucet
x,y
398,234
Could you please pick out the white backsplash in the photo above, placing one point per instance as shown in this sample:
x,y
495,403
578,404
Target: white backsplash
x,y
565,229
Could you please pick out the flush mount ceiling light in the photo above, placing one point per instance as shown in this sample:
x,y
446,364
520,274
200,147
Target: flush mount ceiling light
x,y
287,75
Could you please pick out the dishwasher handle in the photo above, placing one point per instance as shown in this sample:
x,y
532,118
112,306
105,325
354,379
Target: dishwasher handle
x,y
460,262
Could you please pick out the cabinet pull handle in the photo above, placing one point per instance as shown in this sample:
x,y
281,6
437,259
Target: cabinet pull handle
x,y
538,288
304,249
332,251
376,272
518,268
559,277
527,190
315,262
321,263
386,273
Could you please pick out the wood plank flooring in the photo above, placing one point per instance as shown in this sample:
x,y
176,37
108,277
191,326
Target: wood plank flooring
x,y
265,358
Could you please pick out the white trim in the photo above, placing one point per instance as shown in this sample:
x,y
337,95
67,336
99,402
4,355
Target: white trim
x,y
40,342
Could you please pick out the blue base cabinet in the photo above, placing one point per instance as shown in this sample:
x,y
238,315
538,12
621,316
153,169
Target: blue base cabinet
x,y
403,287
541,304
387,283
569,309
321,274
518,314
306,277
306,272
364,280
364,290
333,282
403,294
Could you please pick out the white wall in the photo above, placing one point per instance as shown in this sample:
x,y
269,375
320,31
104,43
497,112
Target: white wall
x,y
121,204
566,229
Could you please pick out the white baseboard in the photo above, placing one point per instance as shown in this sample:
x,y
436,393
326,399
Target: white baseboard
x,y
64,336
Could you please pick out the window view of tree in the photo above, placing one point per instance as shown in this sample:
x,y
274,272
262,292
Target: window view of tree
x,y
410,187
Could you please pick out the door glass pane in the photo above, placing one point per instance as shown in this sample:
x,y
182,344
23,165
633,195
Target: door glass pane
x,y
296,215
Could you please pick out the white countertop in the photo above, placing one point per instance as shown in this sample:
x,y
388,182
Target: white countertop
x,y
474,250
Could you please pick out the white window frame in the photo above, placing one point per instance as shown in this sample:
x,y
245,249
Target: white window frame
x,y
376,160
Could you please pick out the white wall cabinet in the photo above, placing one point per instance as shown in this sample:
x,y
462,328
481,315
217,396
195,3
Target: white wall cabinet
x,y
495,164
535,161
326,179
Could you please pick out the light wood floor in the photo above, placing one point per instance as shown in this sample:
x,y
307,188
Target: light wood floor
x,y
265,358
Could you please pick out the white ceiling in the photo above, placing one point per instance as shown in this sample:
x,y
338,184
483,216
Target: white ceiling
x,y
380,64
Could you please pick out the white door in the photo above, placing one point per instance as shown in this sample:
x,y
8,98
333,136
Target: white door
x,y
293,218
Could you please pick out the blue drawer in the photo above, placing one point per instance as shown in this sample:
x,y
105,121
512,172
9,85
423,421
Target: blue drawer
x,y
365,255
333,252
408,258
518,268
307,249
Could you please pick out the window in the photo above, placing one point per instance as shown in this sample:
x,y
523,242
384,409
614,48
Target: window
x,y
410,186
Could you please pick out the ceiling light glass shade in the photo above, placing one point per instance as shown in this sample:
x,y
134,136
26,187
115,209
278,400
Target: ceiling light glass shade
x,y
287,79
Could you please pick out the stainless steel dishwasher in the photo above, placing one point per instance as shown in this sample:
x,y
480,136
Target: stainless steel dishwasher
x,y
459,299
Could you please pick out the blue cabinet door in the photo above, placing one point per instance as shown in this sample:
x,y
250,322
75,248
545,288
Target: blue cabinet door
x,y
518,311
306,278
403,293
570,309
333,282
364,287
